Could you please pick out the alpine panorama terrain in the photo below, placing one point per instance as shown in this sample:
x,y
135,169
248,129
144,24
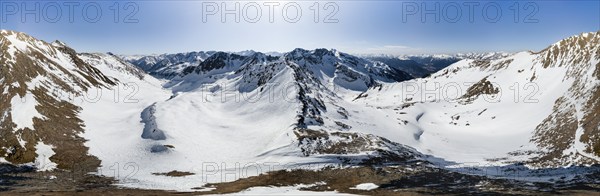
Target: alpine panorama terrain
x,y
306,121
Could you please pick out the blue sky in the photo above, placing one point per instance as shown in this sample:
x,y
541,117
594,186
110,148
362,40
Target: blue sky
x,y
390,27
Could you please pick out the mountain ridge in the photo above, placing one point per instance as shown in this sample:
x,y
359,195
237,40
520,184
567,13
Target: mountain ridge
x,y
304,106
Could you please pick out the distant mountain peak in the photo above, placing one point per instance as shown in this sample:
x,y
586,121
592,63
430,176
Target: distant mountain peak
x,y
58,43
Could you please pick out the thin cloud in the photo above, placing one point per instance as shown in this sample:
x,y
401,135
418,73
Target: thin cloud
x,y
396,47
392,50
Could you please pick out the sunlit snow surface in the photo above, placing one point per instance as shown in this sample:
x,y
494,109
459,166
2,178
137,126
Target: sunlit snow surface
x,y
365,186
217,139
23,111
42,161
220,134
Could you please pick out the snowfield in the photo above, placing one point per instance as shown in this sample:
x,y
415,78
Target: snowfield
x,y
44,152
472,140
219,117
221,126
218,138
365,186
23,111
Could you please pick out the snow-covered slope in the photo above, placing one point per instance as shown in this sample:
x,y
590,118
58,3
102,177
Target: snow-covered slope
x,y
234,110
41,85
77,112
538,108
224,116
229,109
311,107
114,122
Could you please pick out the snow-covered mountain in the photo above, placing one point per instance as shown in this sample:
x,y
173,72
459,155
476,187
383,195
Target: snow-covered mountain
x,y
234,109
410,66
483,56
302,85
539,108
40,121
434,63
166,65
55,99
214,113
426,64
256,108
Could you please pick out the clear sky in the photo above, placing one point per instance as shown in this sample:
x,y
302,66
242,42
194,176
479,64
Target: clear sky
x,y
355,26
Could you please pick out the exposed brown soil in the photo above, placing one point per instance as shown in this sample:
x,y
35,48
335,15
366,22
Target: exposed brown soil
x,y
597,71
60,125
412,179
174,173
402,180
23,181
556,133
332,180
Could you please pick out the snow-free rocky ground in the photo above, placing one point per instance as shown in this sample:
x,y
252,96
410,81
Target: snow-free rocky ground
x,y
208,121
